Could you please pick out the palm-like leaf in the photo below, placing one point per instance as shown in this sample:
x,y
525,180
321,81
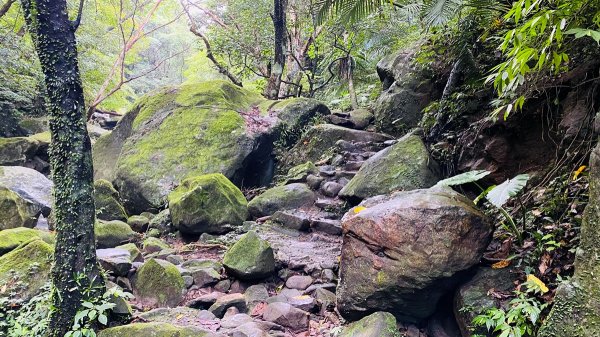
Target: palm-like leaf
x,y
350,10
464,178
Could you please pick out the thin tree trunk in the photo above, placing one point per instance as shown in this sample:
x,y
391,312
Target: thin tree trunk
x,y
75,265
351,89
280,24
6,7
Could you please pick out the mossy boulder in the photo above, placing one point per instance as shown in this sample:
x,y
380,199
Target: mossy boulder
x,y
158,283
404,166
319,141
379,324
281,198
108,202
407,90
576,310
24,270
110,234
156,330
183,132
14,237
207,204
16,211
153,245
17,151
251,258
30,185
138,223
134,251
299,173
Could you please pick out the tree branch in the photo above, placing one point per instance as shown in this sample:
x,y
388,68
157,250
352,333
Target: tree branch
x,y
6,7
75,24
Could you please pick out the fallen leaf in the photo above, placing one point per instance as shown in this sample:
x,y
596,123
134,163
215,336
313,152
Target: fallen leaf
x,y
359,209
546,261
579,171
501,265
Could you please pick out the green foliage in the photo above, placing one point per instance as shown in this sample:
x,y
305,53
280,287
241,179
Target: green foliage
x,y
542,33
31,319
520,319
500,194
464,178
95,312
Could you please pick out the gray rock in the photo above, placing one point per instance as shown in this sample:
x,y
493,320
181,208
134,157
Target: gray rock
x,y
286,315
333,227
281,198
379,324
235,321
293,219
250,258
314,181
225,302
114,260
331,189
205,276
299,282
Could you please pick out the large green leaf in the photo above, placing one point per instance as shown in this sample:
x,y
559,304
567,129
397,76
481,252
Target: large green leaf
x,y
464,178
500,194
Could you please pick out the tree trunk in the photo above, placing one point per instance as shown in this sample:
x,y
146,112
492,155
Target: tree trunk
x,y
351,89
280,24
75,266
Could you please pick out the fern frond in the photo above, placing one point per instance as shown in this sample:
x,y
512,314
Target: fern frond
x,y
349,10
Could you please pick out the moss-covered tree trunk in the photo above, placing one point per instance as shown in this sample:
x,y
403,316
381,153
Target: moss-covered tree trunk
x,y
576,312
76,269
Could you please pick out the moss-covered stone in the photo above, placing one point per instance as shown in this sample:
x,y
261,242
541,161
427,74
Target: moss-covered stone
x,y
153,245
207,204
134,251
24,270
16,211
161,222
250,258
404,166
576,311
281,198
13,238
17,150
379,324
138,223
299,173
183,132
30,185
110,234
155,330
159,283
320,140
108,202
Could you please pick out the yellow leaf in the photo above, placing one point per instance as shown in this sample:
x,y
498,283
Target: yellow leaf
x,y
501,265
533,279
579,171
180,316
359,209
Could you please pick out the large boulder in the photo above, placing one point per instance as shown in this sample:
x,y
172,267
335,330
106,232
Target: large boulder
x,y
404,166
576,310
379,324
207,204
281,198
14,237
188,131
407,90
156,330
251,258
402,253
110,234
158,283
320,139
29,185
25,270
108,202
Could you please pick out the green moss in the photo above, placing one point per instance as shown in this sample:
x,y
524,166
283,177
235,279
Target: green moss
x,y
206,203
134,251
379,324
159,282
17,150
300,172
12,238
108,204
15,211
110,234
153,330
152,245
24,270
250,258
281,198
43,137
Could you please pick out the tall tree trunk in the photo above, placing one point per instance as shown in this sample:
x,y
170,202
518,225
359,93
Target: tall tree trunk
x,y
351,89
280,24
75,265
